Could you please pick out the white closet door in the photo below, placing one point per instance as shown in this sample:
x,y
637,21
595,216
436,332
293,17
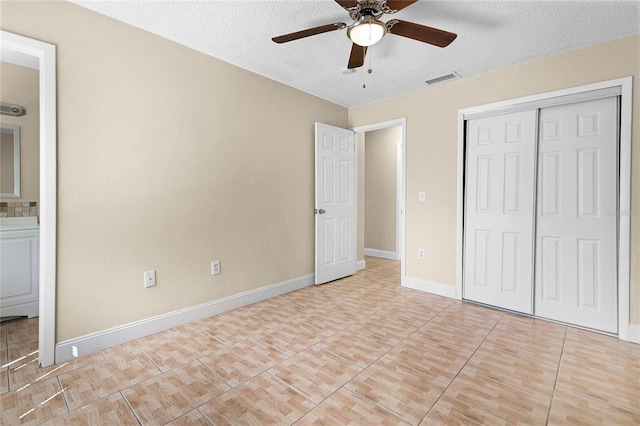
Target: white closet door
x,y
499,210
576,249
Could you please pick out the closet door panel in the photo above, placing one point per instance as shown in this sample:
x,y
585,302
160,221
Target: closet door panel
x,y
499,210
576,243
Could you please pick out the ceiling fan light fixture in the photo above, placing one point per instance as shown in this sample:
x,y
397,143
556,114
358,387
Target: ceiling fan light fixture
x,y
368,31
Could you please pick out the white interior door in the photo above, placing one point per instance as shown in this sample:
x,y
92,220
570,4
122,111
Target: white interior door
x,y
499,210
576,249
335,210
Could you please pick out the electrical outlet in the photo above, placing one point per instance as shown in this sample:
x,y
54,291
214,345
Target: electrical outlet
x,y
422,196
215,267
149,279
420,253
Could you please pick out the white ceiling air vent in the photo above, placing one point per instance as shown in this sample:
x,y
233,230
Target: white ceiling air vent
x,y
433,81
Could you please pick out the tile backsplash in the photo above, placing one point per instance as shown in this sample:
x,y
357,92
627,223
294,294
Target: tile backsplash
x,y
18,209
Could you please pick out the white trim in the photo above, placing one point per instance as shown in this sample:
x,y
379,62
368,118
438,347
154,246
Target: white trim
x,y
15,131
560,97
460,206
46,55
430,287
93,342
633,333
360,265
401,199
624,224
384,254
625,86
399,196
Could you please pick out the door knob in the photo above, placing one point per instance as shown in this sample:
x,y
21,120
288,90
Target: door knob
x,y
321,211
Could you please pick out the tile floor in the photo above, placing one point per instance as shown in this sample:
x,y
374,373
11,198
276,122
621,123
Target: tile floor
x,y
363,350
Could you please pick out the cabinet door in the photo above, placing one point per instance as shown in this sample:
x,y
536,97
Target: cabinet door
x,y
19,287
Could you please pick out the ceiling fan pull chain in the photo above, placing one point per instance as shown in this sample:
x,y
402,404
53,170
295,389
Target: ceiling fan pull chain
x,y
369,71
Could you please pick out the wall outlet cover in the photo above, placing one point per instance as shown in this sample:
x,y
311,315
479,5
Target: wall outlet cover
x,y
215,267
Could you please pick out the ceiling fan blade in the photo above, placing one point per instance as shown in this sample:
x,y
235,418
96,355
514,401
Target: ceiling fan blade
x,y
357,56
347,4
422,33
397,5
309,32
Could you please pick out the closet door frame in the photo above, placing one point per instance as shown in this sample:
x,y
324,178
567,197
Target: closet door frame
x,y
622,87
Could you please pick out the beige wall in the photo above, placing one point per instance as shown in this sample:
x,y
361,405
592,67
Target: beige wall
x,y
432,145
169,159
381,147
20,86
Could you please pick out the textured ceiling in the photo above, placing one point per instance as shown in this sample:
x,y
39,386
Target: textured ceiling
x,y
491,35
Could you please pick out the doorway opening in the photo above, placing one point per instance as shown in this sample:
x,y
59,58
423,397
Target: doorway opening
x,y
44,54
382,152
385,190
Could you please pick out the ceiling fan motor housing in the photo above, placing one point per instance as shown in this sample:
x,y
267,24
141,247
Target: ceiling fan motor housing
x,y
367,8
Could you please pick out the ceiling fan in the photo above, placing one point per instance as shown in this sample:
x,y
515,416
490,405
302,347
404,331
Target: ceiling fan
x,y
367,29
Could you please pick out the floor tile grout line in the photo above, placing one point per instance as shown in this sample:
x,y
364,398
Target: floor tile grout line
x,y
555,382
64,394
133,411
496,381
460,371
153,362
217,375
526,357
359,395
596,398
293,388
203,414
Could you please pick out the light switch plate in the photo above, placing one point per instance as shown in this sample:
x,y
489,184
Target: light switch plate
x,y
149,279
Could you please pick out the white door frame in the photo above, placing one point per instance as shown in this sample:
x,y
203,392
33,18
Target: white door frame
x,y
402,184
45,53
625,87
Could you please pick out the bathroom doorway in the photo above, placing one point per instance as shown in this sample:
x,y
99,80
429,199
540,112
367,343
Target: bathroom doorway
x,y
42,57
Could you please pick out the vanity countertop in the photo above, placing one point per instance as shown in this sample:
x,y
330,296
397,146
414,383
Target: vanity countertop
x,y
18,223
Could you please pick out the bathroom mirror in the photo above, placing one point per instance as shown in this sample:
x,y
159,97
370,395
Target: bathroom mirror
x,y
9,161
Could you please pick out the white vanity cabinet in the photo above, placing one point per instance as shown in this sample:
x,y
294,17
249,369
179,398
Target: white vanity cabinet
x,y
19,266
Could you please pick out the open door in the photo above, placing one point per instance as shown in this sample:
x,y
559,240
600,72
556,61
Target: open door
x,y
335,203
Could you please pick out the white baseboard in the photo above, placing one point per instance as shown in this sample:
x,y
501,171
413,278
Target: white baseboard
x,y
93,342
634,333
384,254
360,265
430,287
